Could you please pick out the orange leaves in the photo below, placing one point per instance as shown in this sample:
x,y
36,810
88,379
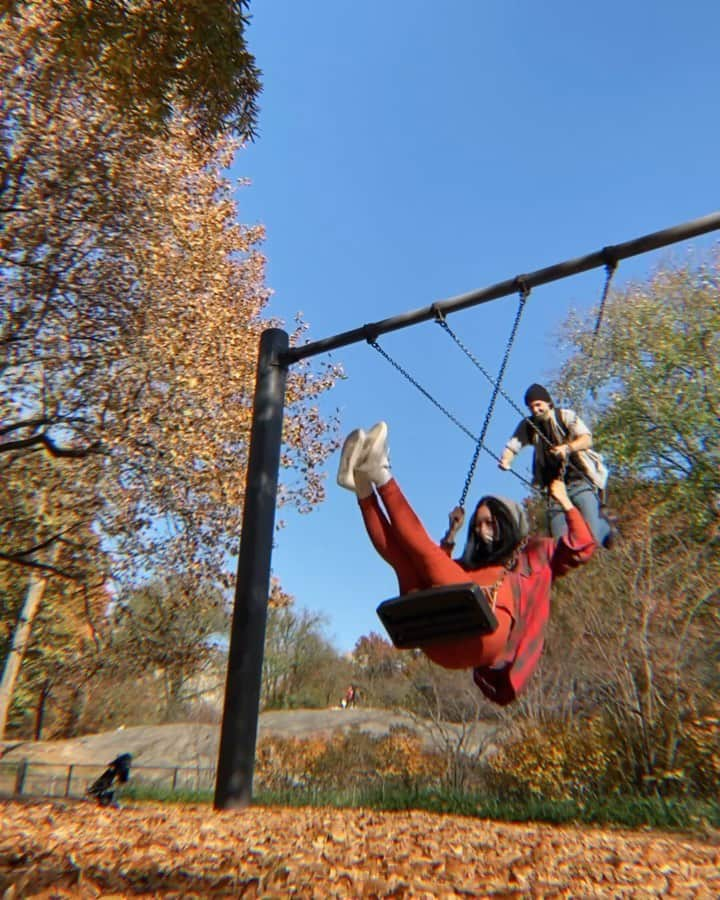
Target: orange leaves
x,y
700,755
147,57
136,299
400,756
556,762
197,336
278,598
262,852
133,298
283,763
349,760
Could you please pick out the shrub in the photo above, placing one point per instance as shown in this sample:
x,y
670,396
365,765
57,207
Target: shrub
x,y
345,762
558,762
401,758
698,760
283,763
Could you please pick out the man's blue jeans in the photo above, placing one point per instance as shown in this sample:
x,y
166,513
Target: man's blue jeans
x,y
585,498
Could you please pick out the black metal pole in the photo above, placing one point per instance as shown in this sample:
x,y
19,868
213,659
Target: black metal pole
x,y
236,760
615,253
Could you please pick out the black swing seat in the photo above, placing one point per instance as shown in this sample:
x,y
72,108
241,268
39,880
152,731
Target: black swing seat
x,y
436,614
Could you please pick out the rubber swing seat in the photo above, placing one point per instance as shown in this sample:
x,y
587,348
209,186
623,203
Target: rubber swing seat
x,y
436,614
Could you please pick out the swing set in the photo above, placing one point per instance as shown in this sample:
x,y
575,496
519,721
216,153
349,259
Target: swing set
x,y
436,614
423,615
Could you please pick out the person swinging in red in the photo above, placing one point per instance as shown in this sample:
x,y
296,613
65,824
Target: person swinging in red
x,y
515,571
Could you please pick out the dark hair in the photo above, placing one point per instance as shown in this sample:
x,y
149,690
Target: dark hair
x,y
477,553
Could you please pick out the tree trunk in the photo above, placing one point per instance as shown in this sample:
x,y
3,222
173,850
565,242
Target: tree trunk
x,y
41,708
78,703
18,644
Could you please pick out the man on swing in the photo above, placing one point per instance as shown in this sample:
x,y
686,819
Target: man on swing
x,y
561,443
514,571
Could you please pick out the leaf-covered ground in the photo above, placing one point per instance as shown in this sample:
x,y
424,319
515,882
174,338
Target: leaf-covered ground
x,y
52,849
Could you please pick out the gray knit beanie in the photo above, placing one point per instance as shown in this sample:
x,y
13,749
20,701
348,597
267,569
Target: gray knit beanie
x,y
517,514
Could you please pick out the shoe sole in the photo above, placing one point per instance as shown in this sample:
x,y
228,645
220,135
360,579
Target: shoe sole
x,y
349,458
375,438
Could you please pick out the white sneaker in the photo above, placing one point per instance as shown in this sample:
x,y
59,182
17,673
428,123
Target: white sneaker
x,y
352,452
375,462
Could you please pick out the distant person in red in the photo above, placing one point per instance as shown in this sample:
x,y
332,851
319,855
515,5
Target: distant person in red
x,y
515,572
350,697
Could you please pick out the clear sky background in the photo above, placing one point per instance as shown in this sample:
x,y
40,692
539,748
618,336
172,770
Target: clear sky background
x,y
411,151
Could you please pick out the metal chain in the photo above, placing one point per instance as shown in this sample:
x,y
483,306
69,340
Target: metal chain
x,y
611,265
442,322
446,412
610,269
524,294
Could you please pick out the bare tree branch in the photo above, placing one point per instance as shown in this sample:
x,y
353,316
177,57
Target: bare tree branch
x,y
52,448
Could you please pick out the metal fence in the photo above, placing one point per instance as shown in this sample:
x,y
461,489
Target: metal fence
x,y
42,779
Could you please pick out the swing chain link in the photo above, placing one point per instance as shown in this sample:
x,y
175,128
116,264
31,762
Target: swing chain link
x,y
443,323
524,294
416,384
611,265
446,412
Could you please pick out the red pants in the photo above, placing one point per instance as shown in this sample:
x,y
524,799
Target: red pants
x,y
420,563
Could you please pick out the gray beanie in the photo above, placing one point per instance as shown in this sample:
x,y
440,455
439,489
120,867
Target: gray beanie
x,y
517,514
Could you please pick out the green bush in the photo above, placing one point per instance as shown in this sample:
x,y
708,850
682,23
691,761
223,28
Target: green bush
x,y
626,810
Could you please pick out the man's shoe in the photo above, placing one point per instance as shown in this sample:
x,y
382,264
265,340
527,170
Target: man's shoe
x,y
612,521
611,539
352,452
375,462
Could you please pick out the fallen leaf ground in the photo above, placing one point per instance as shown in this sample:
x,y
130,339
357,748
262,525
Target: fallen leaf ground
x,y
59,849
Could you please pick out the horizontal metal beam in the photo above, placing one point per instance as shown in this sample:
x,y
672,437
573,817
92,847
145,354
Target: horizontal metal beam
x,y
606,256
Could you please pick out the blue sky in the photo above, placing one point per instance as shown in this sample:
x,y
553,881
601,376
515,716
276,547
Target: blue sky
x,y
411,151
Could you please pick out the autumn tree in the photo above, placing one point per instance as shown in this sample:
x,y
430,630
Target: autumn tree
x,y
146,57
641,626
379,670
132,304
55,561
376,657
169,627
132,312
635,645
300,666
61,661
653,373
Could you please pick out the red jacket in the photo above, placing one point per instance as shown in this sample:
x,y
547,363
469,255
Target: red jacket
x,y
539,564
